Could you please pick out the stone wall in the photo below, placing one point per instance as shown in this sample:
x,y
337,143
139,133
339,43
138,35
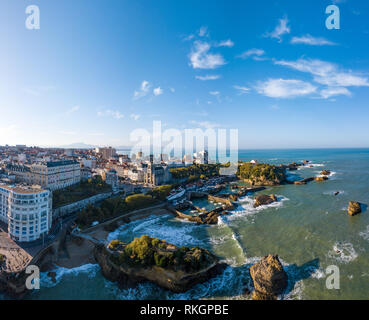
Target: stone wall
x,y
79,205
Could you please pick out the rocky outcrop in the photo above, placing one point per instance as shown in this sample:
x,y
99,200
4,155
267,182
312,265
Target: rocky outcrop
x,y
269,278
321,178
52,275
325,173
354,208
233,197
263,199
173,280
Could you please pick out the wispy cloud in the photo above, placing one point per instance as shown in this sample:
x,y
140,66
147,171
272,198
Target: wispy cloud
x,y
111,113
254,53
205,124
38,90
135,116
214,93
143,91
331,92
200,58
312,41
226,43
285,88
158,91
326,73
208,77
72,110
242,89
203,32
281,29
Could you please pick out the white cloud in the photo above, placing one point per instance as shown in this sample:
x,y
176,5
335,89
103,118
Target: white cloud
x,y
189,37
326,73
226,43
330,92
203,32
158,91
214,93
310,40
205,124
143,91
38,90
72,110
241,89
200,58
285,88
135,116
281,29
208,77
111,113
252,53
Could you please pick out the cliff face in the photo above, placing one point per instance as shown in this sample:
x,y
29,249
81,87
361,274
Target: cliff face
x,y
176,281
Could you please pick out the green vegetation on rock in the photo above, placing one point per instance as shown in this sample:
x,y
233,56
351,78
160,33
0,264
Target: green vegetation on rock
x,y
195,171
148,252
261,173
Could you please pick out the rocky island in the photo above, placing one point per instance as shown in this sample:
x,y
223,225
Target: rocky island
x,y
155,260
261,174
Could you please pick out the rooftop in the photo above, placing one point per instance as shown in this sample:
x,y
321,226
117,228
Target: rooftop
x,y
20,188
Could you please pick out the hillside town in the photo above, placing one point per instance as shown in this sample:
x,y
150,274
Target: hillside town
x,y
30,175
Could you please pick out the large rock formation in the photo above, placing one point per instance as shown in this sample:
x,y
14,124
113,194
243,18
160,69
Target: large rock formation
x,y
354,208
172,268
269,278
263,199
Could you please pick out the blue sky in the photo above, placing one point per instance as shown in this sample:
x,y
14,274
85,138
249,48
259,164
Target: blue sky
x,y
96,70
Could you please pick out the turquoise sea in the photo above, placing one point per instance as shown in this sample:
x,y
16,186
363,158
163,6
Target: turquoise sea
x,y
308,228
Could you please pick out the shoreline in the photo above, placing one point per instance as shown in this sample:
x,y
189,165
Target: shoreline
x,y
79,252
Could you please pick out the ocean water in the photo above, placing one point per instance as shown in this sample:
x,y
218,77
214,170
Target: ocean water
x,y
308,228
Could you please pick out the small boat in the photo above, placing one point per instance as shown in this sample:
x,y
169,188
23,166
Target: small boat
x,y
176,195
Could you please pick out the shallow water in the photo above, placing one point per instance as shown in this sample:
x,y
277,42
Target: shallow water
x,y
308,228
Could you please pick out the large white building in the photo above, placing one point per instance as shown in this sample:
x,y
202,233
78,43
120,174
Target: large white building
x,y
26,210
56,175
51,175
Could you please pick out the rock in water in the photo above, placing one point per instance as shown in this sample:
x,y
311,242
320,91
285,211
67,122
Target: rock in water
x,y
336,193
354,208
323,178
269,278
325,173
264,199
52,275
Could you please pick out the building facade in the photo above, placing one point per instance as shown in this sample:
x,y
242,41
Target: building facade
x,y
56,175
26,210
51,175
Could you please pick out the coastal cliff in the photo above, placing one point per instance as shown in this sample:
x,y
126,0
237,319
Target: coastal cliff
x,y
160,263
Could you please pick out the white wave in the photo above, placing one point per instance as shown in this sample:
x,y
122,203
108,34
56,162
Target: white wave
x,y
344,252
173,231
90,269
310,165
365,234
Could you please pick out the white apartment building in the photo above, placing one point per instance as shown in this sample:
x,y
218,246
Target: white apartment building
x,y
26,210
